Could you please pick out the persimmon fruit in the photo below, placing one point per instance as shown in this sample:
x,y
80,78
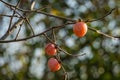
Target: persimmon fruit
x,y
54,65
80,29
50,49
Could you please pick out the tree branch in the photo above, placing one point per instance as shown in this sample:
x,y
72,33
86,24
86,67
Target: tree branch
x,y
101,33
23,39
101,18
48,14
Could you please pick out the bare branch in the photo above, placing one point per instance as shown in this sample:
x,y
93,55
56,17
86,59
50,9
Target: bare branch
x,y
30,26
9,15
38,11
13,15
20,21
76,55
65,72
99,32
101,18
48,14
18,32
54,37
23,39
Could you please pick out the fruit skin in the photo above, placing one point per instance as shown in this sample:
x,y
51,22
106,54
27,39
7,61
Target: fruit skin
x,y
50,49
80,29
53,64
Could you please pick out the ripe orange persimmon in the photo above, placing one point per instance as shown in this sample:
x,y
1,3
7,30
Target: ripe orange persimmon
x,y
80,29
53,64
50,49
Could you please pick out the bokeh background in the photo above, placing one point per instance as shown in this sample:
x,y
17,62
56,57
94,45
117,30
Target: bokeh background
x,y
27,60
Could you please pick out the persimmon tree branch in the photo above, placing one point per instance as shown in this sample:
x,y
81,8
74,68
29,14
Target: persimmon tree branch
x,y
5,15
23,39
13,15
25,18
101,18
18,23
18,32
101,33
39,11
30,25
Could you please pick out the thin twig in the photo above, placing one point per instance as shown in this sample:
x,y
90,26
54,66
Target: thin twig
x,y
7,3
20,21
54,37
44,7
9,15
13,15
101,18
66,74
30,25
18,32
99,32
75,55
64,70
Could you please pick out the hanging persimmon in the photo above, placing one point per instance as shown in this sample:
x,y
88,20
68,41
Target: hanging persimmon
x,y
53,64
80,29
50,49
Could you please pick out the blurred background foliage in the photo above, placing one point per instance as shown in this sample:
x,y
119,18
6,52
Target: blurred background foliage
x,y
26,60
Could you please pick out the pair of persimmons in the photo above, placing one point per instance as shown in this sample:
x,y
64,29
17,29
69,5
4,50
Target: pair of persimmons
x,y
79,29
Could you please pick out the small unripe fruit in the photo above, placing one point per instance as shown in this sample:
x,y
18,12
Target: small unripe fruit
x,y
50,49
80,29
53,64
